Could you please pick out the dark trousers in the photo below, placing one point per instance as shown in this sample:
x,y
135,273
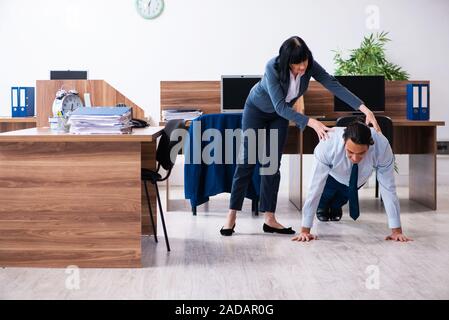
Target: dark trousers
x,y
335,194
254,118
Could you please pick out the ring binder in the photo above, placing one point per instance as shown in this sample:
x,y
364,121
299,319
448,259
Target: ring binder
x,y
15,102
22,102
418,101
424,105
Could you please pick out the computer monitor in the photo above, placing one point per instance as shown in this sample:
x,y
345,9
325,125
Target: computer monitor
x,y
370,89
68,75
235,90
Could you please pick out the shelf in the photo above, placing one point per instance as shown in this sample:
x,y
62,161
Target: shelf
x,y
18,120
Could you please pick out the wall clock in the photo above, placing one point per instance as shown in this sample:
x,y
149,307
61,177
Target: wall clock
x,y
150,9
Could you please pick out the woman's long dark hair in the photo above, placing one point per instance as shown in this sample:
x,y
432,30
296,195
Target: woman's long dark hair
x,y
294,50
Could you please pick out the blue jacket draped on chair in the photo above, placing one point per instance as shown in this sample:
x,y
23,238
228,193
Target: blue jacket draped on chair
x,y
202,180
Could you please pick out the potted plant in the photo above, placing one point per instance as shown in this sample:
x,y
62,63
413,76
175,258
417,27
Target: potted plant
x,y
369,59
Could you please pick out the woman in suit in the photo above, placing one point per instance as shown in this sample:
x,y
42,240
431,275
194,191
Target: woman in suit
x,y
269,106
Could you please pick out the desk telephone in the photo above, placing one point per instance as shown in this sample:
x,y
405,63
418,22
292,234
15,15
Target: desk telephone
x,y
139,123
136,123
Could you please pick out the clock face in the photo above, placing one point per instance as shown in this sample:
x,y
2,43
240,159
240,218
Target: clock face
x,y
70,103
150,9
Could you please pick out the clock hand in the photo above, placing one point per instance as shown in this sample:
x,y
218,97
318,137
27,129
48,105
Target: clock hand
x,y
149,3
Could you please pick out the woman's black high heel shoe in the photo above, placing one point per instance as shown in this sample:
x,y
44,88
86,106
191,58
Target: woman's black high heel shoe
x,y
268,229
227,232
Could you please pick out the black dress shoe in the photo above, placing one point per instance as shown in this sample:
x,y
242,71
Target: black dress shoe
x,y
336,214
267,228
323,214
227,232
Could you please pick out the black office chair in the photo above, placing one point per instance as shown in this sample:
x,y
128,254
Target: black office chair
x,y
385,124
163,157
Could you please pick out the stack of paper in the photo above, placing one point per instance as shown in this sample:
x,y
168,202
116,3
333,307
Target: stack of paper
x,y
101,120
184,114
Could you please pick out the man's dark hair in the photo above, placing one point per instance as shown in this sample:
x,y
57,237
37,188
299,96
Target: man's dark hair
x,y
359,133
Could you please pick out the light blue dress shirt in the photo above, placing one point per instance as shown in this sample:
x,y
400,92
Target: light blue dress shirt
x,y
331,159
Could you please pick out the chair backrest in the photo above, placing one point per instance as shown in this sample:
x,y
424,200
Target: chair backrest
x,y
166,145
385,124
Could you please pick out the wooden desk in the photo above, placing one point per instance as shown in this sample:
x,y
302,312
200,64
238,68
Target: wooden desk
x,y
415,138
73,199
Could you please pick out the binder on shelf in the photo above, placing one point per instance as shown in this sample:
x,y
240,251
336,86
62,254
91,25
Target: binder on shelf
x,y
412,101
22,102
424,102
29,101
15,102
418,101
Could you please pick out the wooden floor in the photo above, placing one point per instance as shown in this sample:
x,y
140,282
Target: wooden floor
x,y
254,265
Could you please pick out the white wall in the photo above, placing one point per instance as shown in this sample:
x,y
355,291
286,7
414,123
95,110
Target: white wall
x,y
200,40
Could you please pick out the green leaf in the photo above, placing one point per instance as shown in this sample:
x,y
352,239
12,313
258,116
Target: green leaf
x,y
369,59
